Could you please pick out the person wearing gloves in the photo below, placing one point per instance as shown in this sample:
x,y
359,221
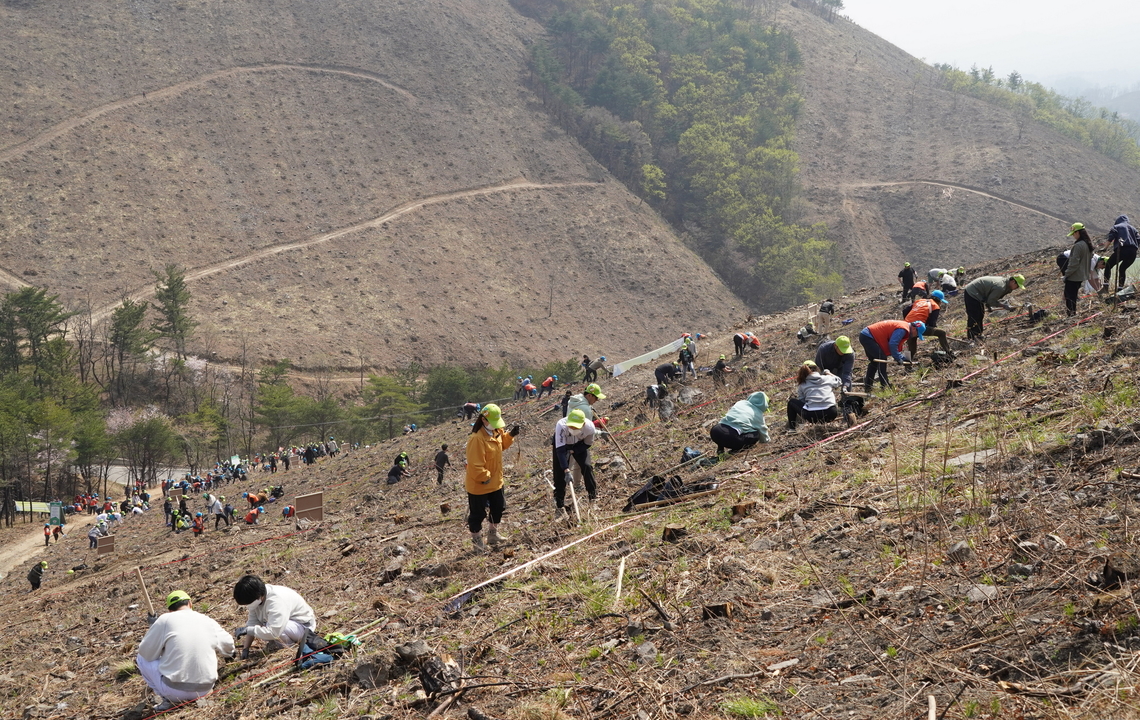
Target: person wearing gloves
x,y
987,291
484,480
573,436
276,613
837,357
883,339
814,400
178,656
584,401
1078,271
928,310
1124,243
743,425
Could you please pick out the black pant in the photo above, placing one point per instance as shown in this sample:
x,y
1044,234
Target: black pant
x,y
1123,256
479,505
591,375
738,343
796,413
220,518
975,314
439,476
726,436
579,452
1072,291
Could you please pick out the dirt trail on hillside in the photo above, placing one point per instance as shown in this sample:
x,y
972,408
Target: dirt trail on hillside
x,y
959,186
516,184
13,279
173,90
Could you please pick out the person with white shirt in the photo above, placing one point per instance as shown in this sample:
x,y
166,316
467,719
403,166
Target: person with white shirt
x,y
573,436
275,613
178,657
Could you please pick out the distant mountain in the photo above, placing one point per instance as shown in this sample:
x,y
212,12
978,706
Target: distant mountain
x,y
901,168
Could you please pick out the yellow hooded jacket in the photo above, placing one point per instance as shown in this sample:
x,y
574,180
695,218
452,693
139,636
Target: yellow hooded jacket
x,y
485,460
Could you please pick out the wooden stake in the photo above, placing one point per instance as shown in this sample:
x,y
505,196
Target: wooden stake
x,y
573,497
142,584
621,575
932,712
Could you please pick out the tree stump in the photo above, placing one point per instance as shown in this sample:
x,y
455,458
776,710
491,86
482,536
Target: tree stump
x,y
742,510
444,508
673,532
717,610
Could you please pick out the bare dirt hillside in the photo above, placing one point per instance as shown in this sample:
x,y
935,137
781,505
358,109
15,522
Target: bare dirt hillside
x,y
875,117
313,161
971,539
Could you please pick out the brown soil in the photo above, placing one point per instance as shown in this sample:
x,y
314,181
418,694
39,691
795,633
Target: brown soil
x,y
241,154
844,564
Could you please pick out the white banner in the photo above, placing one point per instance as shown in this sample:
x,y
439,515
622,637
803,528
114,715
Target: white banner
x,y
672,347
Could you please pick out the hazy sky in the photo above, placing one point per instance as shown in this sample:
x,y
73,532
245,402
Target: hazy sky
x,y
1044,40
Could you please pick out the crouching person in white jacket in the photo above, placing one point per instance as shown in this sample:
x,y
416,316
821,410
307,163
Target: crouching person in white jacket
x,y
275,613
178,656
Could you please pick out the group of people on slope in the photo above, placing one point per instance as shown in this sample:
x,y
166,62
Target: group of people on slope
x,y
178,656
573,436
1081,266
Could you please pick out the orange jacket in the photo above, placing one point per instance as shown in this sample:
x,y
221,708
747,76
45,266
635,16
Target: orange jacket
x,y
921,310
882,332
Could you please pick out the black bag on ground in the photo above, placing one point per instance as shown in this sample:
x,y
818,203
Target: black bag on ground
x,y
658,488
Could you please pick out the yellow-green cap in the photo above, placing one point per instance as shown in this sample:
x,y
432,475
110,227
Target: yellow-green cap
x,y
811,364
1020,279
1076,228
595,390
906,264
176,597
576,418
843,345
494,416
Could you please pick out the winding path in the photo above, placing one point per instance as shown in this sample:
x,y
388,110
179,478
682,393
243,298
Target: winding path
x,y
516,185
56,131
967,188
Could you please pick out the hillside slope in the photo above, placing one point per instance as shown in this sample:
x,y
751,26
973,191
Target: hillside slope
x,y
876,124
967,540
233,140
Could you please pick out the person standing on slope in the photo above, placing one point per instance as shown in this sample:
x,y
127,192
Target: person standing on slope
x,y
573,436
484,480
987,291
906,279
1124,244
1077,272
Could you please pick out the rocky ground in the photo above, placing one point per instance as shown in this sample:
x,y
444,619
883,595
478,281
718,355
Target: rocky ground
x,y
971,539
